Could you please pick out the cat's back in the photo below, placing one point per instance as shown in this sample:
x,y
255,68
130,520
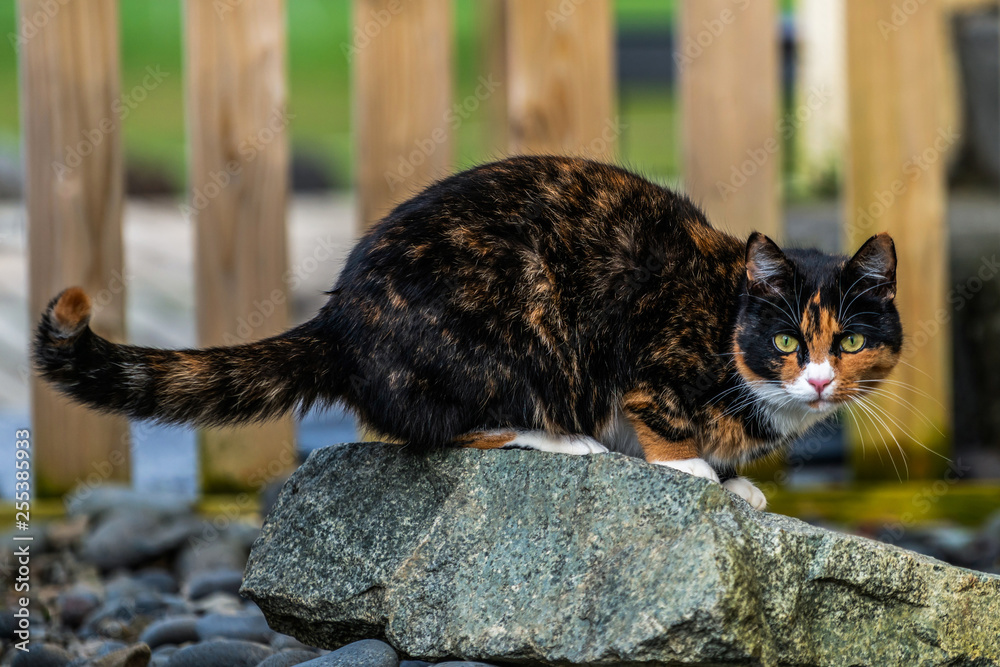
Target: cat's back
x,y
558,208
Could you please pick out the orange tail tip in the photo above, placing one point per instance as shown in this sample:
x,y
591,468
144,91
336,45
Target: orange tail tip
x,y
71,311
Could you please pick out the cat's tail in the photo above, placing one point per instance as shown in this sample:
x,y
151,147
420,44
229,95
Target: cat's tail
x,y
208,387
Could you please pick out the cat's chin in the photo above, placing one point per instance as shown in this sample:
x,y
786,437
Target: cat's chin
x,y
823,406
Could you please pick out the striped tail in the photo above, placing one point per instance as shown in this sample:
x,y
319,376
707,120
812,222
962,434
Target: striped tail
x,y
207,387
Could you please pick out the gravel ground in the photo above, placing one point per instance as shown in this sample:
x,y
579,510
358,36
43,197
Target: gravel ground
x,y
131,579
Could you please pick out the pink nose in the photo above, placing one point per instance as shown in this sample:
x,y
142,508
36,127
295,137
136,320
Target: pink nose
x,y
820,385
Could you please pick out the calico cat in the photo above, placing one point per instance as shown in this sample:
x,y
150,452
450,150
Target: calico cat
x,y
546,303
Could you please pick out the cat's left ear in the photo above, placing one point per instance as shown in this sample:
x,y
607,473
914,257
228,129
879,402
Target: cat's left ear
x,y
768,269
873,267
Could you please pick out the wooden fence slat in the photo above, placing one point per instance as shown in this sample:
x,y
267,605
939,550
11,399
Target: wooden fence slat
x,y
727,56
402,59
238,146
821,88
896,183
561,67
69,78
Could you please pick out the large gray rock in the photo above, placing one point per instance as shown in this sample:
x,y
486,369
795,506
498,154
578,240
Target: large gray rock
x,y
535,558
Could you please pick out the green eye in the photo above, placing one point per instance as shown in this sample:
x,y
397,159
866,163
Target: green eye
x,y
786,343
852,342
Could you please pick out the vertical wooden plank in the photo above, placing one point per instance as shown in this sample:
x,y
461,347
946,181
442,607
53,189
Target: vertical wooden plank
x,y
238,148
69,78
821,74
561,93
727,56
492,31
896,183
402,58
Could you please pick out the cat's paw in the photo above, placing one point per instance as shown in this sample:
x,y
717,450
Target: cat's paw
x,y
744,488
696,467
577,445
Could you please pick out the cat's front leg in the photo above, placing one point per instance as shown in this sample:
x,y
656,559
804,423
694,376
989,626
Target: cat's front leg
x,y
662,444
745,489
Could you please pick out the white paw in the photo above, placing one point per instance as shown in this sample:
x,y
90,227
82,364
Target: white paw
x,y
696,467
577,445
744,488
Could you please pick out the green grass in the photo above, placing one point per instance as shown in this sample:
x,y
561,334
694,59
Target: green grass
x,y
319,86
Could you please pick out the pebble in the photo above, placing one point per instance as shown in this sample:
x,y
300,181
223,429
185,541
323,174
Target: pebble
x,y
157,579
110,647
108,498
280,642
171,630
220,653
205,583
251,626
75,604
128,538
8,624
209,551
46,655
136,655
288,658
365,653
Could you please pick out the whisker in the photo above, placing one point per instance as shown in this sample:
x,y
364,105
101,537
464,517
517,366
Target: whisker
x,y
884,442
902,428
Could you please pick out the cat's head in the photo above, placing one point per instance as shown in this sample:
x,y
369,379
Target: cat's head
x,y
815,330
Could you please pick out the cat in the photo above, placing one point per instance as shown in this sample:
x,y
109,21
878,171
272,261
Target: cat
x,y
546,303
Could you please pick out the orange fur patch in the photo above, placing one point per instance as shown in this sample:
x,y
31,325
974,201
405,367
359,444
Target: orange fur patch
x,y
708,240
482,440
72,310
868,364
657,448
724,438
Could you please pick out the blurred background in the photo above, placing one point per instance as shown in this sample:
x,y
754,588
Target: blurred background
x,y
203,168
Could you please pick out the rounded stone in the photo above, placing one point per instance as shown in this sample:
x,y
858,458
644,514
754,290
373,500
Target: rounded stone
x,y
46,655
228,652
203,584
136,655
280,642
251,626
157,579
75,604
365,653
171,630
288,658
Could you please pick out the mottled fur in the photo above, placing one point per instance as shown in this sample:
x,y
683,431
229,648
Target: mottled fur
x,y
536,293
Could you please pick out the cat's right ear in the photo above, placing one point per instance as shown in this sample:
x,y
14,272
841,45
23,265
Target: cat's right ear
x,y
768,270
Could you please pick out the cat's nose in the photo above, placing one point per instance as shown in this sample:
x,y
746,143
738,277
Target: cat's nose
x,y
820,384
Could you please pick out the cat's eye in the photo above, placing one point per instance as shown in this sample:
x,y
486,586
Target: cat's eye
x,y
786,343
852,342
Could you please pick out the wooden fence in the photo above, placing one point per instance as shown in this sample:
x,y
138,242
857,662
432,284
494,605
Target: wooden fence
x,y
556,63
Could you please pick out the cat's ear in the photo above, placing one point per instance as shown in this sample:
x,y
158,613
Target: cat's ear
x,y
873,267
768,269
